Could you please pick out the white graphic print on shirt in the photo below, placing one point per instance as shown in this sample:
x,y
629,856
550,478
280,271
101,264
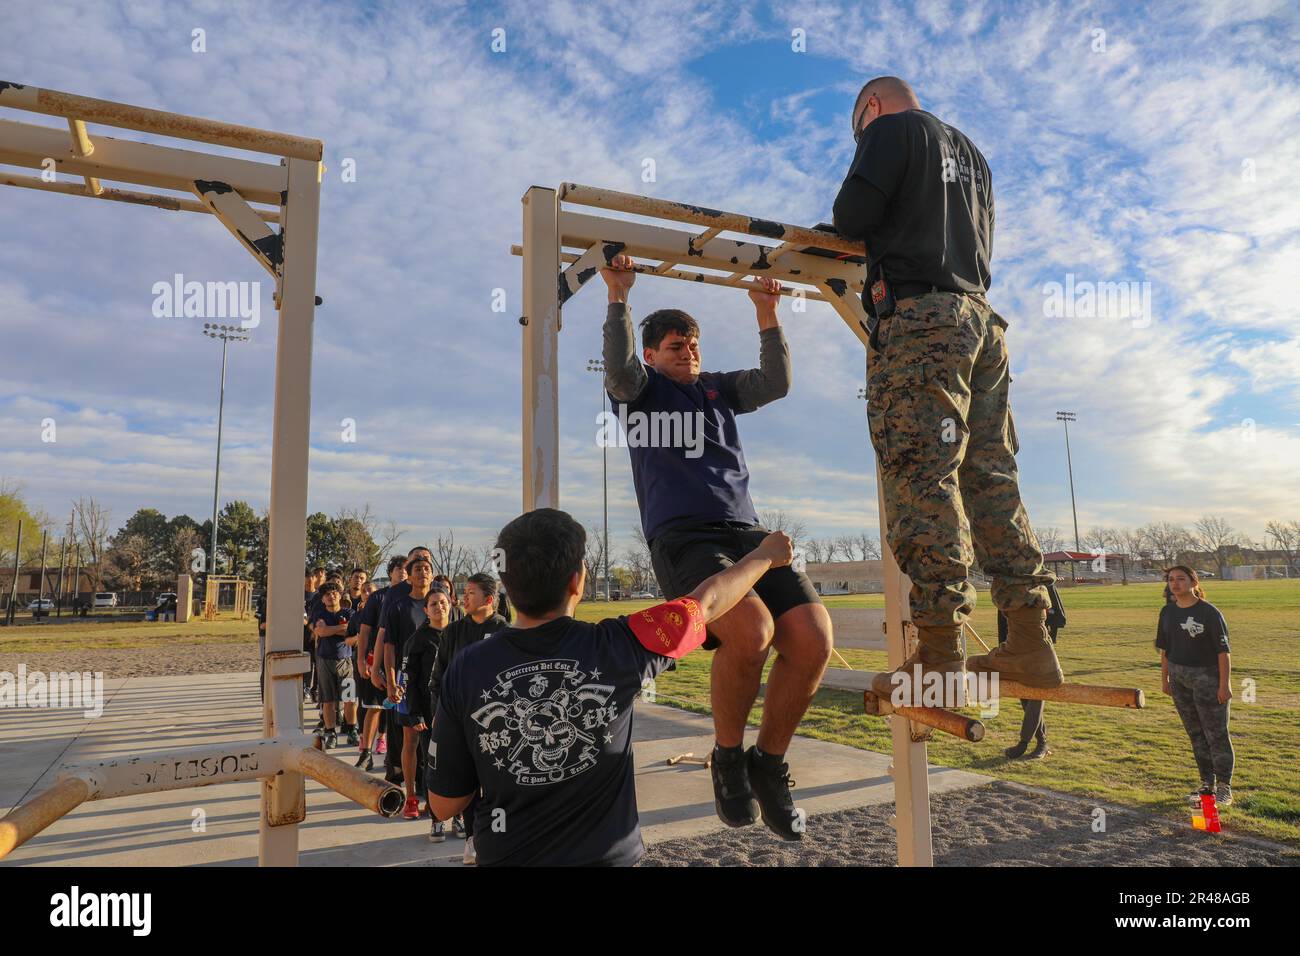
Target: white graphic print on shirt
x,y
1192,626
541,721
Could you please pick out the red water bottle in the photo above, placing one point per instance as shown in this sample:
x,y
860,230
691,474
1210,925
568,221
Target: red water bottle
x,y
1210,810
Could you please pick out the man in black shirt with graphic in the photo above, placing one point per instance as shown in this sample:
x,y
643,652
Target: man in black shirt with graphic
x,y
920,195
540,714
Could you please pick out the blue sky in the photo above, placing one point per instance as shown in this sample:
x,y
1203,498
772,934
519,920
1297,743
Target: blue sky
x,y
1160,151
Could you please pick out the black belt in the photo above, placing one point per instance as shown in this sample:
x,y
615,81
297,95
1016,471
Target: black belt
x,y
906,290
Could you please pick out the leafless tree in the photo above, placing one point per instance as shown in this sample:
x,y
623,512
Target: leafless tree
x,y
638,560
1167,540
450,558
815,550
1133,543
868,546
780,521
1214,535
1285,537
181,550
595,559
92,521
1101,540
1049,538
847,546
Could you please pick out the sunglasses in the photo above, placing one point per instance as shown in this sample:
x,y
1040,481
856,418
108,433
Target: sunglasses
x,y
857,133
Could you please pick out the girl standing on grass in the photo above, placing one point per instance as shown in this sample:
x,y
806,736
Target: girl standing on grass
x,y
1196,670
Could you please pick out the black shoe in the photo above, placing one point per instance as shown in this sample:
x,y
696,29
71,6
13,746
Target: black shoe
x,y
328,740
732,797
771,783
1018,751
1040,750
365,762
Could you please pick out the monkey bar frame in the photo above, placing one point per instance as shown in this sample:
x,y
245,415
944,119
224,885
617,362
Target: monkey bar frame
x,y
224,187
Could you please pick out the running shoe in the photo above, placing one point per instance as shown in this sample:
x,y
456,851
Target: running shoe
x,y
771,782
470,856
437,832
412,809
732,798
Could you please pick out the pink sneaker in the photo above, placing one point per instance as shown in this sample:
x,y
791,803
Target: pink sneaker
x,y
382,746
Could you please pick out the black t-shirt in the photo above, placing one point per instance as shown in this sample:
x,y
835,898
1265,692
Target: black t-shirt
x,y
417,664
403,616
937,227
334,648
541,719
1194,636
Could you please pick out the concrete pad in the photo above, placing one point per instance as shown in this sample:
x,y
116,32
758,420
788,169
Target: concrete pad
x,y
217,825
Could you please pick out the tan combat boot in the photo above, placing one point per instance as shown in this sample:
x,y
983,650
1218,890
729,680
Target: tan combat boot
x,y
1028,655
939,652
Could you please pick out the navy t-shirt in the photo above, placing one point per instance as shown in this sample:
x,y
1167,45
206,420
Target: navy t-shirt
x,y
333,648
707,481
403,616
1194,636
541,719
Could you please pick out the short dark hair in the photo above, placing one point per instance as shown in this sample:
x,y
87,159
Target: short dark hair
x,y
318,570
658,324
543,549
359,571
330,587
486,583
418,547
418,560
396,562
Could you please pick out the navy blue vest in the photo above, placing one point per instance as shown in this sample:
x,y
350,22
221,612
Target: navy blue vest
x,y
705,482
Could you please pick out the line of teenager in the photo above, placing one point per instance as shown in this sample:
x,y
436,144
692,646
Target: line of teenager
x,y
378,652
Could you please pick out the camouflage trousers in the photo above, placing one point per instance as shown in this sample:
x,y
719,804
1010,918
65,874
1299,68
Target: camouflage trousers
x,y
1196,698
940,420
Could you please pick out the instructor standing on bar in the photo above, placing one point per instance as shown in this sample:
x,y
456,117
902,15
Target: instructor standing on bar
x,y
921,197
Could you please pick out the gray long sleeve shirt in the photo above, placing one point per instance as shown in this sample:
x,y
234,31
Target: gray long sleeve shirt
x,y
687,462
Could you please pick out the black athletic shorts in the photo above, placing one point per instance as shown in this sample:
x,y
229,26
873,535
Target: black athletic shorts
x,y
684,557
368,695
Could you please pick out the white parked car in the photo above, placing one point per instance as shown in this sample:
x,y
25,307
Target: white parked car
x,y
105,599
43,605
643,596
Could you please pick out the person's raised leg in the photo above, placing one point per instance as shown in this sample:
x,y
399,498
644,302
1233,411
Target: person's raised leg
x,y
745,634
802,641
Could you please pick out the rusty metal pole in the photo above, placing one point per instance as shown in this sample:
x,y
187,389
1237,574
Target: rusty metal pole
x,y
284,797
541,322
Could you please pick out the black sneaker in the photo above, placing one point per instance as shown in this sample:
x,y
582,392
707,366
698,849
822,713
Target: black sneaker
x,y
353,737
329,740
365,762
437,832
732,797
771,784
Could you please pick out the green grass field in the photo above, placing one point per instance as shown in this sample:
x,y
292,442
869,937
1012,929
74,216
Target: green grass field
x,y
1139,758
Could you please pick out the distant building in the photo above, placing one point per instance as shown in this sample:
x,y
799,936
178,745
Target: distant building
x,y
847,577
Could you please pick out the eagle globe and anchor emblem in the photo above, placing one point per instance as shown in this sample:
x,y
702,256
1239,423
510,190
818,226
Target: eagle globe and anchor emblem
x,y
547,733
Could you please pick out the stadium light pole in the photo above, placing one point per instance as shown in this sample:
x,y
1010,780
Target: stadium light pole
x,y
1065,418
227,334
596,365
